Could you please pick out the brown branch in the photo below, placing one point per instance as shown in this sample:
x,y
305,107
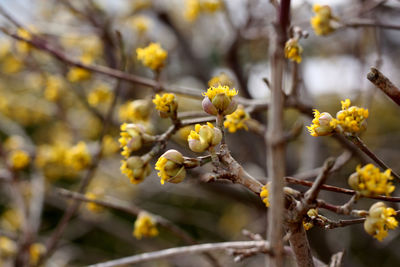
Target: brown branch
x,y
336,189
312,193
363,147
357,24
188,250
383,83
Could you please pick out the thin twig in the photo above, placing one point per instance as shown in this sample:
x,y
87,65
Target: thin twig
x,y
336,189
356,24
363,147
312,193
186,250
383,83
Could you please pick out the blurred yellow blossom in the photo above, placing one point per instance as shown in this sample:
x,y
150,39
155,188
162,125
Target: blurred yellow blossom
x,y
53,87
93,195
8,247
145,226
78,156
322,22
152,56
22,46
77,74
137,110
99,95
140,23
11,219
221,79
293,50
36,251
110,145
193,8
18,159
237,120
131,138
369,181
379,220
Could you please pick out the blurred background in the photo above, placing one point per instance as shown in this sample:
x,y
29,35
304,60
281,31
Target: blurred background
x,y
46,113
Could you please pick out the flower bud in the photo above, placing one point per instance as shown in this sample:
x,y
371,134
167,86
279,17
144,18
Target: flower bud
x,y
170,167
136,169
325,119
204,137
353,181
218,100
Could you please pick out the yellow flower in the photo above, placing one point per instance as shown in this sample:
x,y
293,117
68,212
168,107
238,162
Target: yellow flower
x,y
11,64
77,74
307,221
221,79
8,247
53,87
91,205
211,6
78,156
166,105
193,8
145,226
140,24
237,120
218,100
18,159
13,142
293,50
110,146
350,120
170,167
152,56
100,94
321,124
22,46
264,194
140,4
11,219
204,137
322,21
131,138
369,181
36,251
379,220
137,110
136,169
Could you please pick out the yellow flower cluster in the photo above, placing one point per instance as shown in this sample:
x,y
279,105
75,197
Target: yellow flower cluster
x,y
22,46
11,219
212,92
137,110
170,167
36,251
166,104
145,226
237,120
379,220
100,94
77,74
53,87
131,139
8,247
93,207
322,21
110,145
152,56
307,221
221,79
369,181
18,159
293,50
264,194
204,137
135,169
321,124
193,8
350,120
78,156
